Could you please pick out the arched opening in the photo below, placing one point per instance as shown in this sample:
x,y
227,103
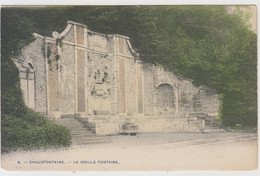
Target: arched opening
x,y
31,65
27,80
165,98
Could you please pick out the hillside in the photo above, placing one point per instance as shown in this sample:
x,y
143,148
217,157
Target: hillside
x,y
203,43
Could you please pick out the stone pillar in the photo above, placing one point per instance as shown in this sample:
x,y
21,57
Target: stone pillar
x,y
80,80
114,108
176,102
86,70
139,77
53,79
122,87
77,40
154,94
75,79
47,77
136,90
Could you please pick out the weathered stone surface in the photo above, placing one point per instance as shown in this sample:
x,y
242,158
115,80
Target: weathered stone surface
x,y
79,35
121,45
69,37
130,86
34,54
31,90
24,83
81,80
102,78
97,42
165,97
53,79
139,77
122,86
149,91
67,80
100,82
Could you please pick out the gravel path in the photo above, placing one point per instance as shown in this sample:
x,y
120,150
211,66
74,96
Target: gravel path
x,y
143,153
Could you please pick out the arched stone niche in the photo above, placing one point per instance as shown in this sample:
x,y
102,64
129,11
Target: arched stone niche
x,y
165,96
27,80
166,99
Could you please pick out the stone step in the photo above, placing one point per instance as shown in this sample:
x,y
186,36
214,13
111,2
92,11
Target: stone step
x,y
81,134
67,121
212,122
83,120
85,134
195,122
79,130
214,125
73,125
68,116
74,128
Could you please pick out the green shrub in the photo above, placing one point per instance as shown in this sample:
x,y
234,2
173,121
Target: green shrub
x,y
32,131
22,128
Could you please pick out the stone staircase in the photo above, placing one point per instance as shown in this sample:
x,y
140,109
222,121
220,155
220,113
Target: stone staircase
x,y
211,124
80,134
91,126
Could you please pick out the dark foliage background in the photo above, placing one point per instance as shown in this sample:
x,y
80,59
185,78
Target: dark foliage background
x,y
203,43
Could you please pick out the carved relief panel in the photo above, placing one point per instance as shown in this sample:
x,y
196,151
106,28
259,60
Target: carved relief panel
x,y
100,83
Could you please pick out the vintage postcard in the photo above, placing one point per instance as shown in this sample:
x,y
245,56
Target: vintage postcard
x,y
129,88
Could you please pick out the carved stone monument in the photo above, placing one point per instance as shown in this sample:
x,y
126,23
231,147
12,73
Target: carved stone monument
x,y
103,79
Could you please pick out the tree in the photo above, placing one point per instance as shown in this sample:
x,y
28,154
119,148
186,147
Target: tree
x,y
203,43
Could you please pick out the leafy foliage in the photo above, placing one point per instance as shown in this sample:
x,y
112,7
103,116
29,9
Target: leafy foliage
x,y
204,43
20,126
32,131
216,49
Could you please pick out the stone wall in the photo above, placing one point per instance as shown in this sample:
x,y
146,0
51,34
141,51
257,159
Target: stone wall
x,y
69,36
121,86
149,92
101,81
81,80
131,89
34,54
186,97
97,42
67,79
102,78
79,35
53,78
206,101
139,86
113,124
